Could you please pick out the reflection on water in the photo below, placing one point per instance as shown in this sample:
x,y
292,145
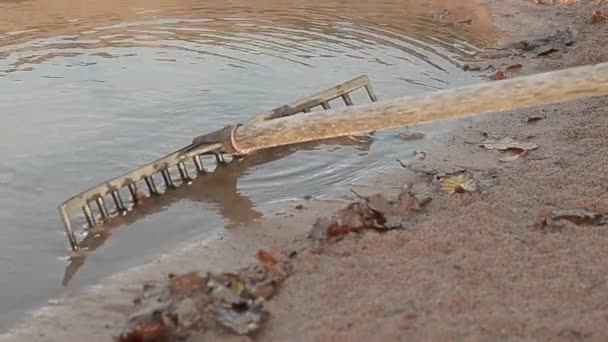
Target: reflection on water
x,y
218,188
92,89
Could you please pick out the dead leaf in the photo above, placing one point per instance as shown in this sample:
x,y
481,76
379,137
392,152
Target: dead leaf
x,y
499,75
557,218
458,184
187,283
511,158
514,67
508,144
242,318
598,16
266,258
580,217
546,52
533,119
158,326
411,136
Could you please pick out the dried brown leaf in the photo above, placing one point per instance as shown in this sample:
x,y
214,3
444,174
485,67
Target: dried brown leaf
x,y
599,16
533,119
187,283
157,327
580,216
514,67
266,258
499,75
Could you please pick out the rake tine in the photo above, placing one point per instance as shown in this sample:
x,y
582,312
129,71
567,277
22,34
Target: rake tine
x,y
133,191
101,204
347,100
151,186
198,163
88,214
120,206
183,172
167,178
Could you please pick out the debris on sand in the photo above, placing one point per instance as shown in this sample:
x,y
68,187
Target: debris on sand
x,y
506,144
599,16
458,184
499,75
518,149
544,46
192,303
374,212
534,118
411,136
580,217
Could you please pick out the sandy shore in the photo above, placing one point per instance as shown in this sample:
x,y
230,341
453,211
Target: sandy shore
x,y
470,266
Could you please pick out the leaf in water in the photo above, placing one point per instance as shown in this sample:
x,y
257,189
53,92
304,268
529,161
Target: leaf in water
x,y
411,136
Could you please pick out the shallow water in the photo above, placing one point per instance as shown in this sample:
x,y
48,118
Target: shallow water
x,y
93,89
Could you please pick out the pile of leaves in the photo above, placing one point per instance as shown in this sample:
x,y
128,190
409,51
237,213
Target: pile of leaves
x,y
195,302
374,212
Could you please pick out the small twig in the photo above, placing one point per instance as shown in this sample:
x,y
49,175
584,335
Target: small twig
x,y
405,166
358,195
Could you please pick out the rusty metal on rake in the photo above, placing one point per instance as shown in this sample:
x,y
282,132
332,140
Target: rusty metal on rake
x,y
125,191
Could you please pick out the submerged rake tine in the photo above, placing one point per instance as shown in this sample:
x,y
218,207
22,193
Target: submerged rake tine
x,y
326,105
370,93
347,100
151,185
167,178
120,206
88,214
133,191
220,158
182,171
198,163
101,204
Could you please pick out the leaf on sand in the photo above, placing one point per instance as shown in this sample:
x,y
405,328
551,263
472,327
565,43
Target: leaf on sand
x,y
187,283
581,217
599,16
374,212
533,119
508,144
514,67
499,75
458,184
511,158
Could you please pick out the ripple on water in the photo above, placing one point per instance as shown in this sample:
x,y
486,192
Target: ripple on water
x,y
92,91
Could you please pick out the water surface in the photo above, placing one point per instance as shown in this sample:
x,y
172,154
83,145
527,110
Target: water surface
x,y
90,90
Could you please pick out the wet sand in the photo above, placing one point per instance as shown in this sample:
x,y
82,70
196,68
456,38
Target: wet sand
x,y
472,266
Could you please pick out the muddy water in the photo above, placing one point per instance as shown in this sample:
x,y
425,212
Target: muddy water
x,y
92,89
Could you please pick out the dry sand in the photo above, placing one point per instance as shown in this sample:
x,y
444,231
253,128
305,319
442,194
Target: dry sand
x,y
472,266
